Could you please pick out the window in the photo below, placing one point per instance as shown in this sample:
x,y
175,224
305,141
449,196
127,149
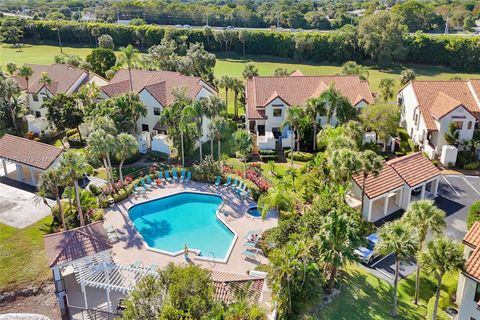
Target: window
x,y
35,97
156,111
38,114
458,124
469,125
277,112
477,293
261,130
145,127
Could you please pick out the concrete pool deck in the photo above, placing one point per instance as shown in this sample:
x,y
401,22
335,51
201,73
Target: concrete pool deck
x,y
131,248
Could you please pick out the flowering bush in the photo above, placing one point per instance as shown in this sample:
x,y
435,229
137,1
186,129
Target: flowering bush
x,y
254,174
128,180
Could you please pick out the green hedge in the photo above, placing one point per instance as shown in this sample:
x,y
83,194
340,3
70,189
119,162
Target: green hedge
x,y
473,214
459,52
267,152
299,156
442,304
266,158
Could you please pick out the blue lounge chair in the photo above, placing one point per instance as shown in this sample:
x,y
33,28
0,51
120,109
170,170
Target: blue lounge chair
x,y
242,189
142,182
218,180
160,176
229,180
249,254
167,176
239,187
182,177
234,184
136,189
245,194
189,176
174,174
150,182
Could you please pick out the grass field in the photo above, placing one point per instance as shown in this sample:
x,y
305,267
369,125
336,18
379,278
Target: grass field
x,y
22,256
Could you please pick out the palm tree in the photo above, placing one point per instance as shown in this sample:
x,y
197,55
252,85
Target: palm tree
x,y
125,147
213,106
336,104
197,111
217,127
227,83
25,72
386,88
338,237
293,119
243,36
250,71
237,87
50,182
129,56
398,238
75,166
371,164
95,33
207,32
45,79
279,199
101,144
243,144
343,164
11,68
424,216
315,107
441,256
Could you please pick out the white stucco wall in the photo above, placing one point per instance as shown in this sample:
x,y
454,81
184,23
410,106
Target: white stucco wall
x,y
459,114
468,307
271,121
150,118
409,109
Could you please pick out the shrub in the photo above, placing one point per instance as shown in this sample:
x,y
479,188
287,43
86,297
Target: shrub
x,y
158,156
266,158
472,165
70,132
267,152
473,214
442,304
94,189
299,155
207,170
75,142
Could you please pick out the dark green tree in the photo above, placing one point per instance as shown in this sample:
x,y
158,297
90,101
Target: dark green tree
x,y
101,60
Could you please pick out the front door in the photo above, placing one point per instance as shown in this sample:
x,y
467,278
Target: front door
x,y
261,130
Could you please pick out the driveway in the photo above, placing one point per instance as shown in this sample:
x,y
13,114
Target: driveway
x,y
456,194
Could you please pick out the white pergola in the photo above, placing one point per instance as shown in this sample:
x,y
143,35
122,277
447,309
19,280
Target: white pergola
x,y
100,272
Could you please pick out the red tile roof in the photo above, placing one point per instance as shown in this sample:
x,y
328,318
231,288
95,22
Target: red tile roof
x,y
414,168
296,89
24,151
437,98
63,77
411,169
160,84
228,284
67,246
472,238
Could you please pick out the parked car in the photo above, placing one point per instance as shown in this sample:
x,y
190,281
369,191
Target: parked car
x,y
367,254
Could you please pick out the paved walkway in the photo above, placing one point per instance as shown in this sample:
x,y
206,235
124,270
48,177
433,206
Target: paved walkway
x,y
130,248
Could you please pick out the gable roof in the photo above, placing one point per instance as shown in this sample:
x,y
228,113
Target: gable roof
x,y
438,98
160,84
63,77
227,284
411,169
29,152
67,246
296,89
472,239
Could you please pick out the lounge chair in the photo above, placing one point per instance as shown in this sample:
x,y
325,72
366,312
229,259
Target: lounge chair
x,y
239,187
167,176
189,176
229,180
252,232
142,182
250,254
150,182
136,189
160,176
182,177
245,193
234,184
174,174
250,244
218,181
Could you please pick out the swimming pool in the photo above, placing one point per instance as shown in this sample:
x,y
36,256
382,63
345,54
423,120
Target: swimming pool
x,y
168,224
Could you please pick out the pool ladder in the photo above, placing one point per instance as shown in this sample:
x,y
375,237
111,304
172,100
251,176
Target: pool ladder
x,y
211,260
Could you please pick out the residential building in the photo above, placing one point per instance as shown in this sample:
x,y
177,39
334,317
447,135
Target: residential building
x,y
156,91
401,181
267,100
30,158
428,107
468,289
65,79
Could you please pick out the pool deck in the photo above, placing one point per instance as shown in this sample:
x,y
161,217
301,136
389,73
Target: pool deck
x,y
130,248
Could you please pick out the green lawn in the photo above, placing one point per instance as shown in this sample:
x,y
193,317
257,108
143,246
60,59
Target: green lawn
x,y
22,256
364,296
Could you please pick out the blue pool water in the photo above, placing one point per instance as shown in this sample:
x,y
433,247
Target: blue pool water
x,y
185,218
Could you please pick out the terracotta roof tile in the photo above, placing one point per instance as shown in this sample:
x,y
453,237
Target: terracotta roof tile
x,y
387,180
36,154
443,104
76,243
472,238
427,93
297,89
472,266
414,168
159,83
227,285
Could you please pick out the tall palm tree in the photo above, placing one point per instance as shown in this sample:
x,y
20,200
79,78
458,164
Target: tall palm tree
x,y
45,80
197,111
343,164
50,182
315,107
75,166
238,88
217,127
279,199
294,118
213,106
338,237
125,146
227,83
398,238
243,144
424,216
101,144
441,256
250,71
371,164
129,55
336,104
25,72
